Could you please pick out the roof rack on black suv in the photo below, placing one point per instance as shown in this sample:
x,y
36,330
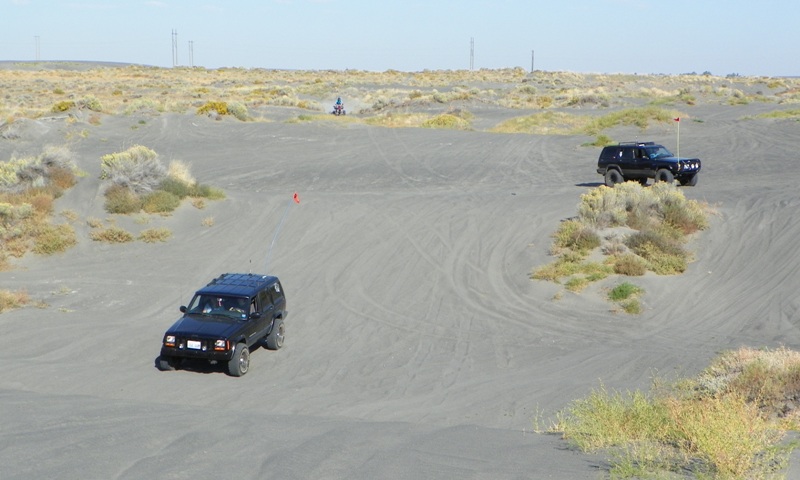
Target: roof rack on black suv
x,y
226,318
642,160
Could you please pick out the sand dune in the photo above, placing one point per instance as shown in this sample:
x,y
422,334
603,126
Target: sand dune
x,y
417,346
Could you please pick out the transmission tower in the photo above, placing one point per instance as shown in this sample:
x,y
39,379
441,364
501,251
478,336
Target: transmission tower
x,y
191,53
174,48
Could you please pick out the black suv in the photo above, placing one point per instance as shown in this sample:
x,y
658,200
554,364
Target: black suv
x,y
642,160
226,318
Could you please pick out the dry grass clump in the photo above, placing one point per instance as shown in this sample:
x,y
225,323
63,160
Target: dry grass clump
x,y
727,422
50,239
140,182
544,123
153,235
10,300
111,234
454,119
654,221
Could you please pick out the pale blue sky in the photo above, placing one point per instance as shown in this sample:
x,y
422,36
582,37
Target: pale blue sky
x,y
606,36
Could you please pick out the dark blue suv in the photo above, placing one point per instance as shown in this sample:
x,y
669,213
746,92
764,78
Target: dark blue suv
x,y
639,161
224,320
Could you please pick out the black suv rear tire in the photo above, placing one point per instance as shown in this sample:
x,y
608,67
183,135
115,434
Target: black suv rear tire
x,y
274,340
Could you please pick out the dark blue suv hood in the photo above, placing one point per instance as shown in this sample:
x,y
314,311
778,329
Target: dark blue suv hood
x,y
204,325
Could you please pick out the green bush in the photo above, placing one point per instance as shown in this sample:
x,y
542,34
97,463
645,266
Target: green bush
x,y
160,201
122,200
623,291
177,187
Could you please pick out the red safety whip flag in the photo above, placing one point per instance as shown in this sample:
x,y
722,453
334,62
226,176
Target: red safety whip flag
x,y
296,198
678,119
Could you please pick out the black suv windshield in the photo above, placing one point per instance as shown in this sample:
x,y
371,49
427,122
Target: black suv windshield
x,y
234,307
657,152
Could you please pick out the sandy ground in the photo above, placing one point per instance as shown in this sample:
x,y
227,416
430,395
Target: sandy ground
x,y
417,346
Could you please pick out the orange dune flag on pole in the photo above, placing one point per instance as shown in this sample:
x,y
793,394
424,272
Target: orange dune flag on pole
x,y
678,119
296,198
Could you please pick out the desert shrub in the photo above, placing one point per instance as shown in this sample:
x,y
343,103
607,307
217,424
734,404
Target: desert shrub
x,y
121,199
639,240
160,201
725,434
631,306
62,177
629,264
153,235
221,108
239,111
685,216
90,102
566,265
663,254
603,207
604,419
41,201
574,235
111,235
10,212
10,300
544,101
62,106
704,427
52,239
137,168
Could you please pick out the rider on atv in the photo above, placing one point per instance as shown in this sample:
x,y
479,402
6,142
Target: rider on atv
x,y
338,107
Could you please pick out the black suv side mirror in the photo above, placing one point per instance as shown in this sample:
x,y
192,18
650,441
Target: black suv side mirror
x,y
183,309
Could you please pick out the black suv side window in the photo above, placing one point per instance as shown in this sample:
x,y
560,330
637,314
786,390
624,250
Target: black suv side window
x,y
264,300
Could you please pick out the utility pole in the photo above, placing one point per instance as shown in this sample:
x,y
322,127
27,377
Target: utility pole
x,y
37,47
531,61
471,53
174,48
191,53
